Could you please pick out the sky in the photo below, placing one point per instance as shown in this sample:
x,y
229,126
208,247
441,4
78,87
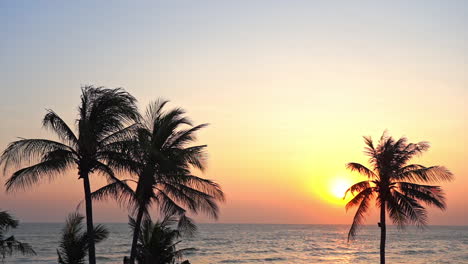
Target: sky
x,y
289,89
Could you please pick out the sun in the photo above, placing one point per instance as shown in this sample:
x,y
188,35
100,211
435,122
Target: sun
x,y
338,187
332,189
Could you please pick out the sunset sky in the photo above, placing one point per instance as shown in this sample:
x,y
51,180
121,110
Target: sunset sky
x,y
289,89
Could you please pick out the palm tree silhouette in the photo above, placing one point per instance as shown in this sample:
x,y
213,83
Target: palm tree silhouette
x,y
161,158
74,242
103,114
157,242
396,185
9,245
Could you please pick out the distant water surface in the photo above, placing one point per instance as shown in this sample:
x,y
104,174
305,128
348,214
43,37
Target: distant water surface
x,y
258,243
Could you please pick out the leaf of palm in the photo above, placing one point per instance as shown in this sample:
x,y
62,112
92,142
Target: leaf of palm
x,y
183,137
74,242
29,150
13,246
204,185
395,212
108,110
100,234
153,112
121,161
358,187
166,204
7,221
431,195
425,174
62,130
194,156
413,211
361,169
30,175
186,226
194,199
362,199
119,191
121,135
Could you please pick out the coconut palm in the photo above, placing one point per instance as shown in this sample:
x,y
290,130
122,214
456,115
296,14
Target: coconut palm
x,y
9,245
74,242
157,242
103,114
400,189
160,155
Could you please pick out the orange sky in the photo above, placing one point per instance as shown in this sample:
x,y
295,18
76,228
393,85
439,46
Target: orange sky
x,y
289,92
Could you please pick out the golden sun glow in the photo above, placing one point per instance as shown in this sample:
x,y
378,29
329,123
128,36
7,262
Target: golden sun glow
x,y
338,187
332,189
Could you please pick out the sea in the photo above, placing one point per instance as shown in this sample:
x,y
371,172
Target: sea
x,y
271,243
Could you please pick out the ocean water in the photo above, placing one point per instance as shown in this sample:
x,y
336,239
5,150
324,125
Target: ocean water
x,y
258,243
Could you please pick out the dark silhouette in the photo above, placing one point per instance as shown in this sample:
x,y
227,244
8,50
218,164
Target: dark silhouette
x,y
74,241
157,241
103,114
396,185
9,245
158,154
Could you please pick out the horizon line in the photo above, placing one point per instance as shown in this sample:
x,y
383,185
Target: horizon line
x,y
232,223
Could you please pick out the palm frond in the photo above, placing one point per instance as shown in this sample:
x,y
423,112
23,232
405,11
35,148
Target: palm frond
x,y
395,211
207,186
352,166
9,245
105,171
413,211
158,241
12,246
7,221
362,199
193,199
431,195
358,187
187,226
62,130
154,112
426,174
119,191
369,149
120,161
104,111
100,234
29,151
194,156
74,241
28,176
120,135
183,137
167,205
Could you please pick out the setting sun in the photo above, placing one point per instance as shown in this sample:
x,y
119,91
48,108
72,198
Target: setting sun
x,y
332,189
338,187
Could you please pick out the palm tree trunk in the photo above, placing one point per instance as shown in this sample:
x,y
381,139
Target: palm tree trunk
x,y
383,233
136,233
89,219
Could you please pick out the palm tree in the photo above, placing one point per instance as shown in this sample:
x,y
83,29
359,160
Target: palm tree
x,y
398,187
74,242
103,114
161,158
157,241
9,245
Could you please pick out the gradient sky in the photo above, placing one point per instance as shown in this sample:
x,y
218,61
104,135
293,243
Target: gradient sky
x,y
289,88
